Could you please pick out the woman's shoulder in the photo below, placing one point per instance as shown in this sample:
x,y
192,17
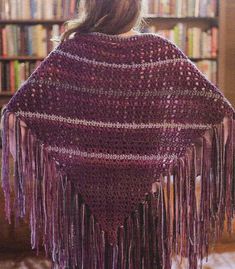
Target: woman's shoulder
x,y
105,49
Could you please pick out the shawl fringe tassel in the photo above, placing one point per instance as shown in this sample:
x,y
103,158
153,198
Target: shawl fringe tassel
x,y
171,221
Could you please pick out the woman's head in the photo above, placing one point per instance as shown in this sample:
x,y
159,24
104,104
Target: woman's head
x,y
106,16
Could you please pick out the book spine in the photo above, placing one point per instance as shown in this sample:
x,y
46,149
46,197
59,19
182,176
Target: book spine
x,y
179,8
202,8
176,35
156,7
4,42
6,11
1,10
72,7
22,72
7,75
1,41
59,9
12,75
173,8
16,34
29,40
45,41
184,8
16,70
214,41
4,77
197,7
190,42
22,44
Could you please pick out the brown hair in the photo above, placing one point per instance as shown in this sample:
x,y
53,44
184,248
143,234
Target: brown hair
x,y
105,16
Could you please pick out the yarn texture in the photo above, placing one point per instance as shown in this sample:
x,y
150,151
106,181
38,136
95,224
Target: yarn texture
x,y
123,153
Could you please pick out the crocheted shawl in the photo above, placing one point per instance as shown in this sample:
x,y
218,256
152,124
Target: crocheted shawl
x,y
123,154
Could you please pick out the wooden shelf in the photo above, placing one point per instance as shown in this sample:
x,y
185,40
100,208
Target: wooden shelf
x,y
153,19
23,57
170,18
203,59
147,17
33,21
6,93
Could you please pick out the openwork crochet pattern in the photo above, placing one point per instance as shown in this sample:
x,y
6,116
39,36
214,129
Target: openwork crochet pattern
x,y
121,133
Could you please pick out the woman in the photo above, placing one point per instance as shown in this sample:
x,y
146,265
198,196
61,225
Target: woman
x,y
111,136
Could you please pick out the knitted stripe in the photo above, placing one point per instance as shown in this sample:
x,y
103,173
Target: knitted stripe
x,y
111,156
112,124
120,92
112,65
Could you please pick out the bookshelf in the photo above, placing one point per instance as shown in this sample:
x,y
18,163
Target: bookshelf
x,y
32,21
211,64
155,17
22,58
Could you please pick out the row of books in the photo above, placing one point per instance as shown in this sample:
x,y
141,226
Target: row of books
x,y
193,41
37,9
63,9
181,8
14,73
31,40
35,39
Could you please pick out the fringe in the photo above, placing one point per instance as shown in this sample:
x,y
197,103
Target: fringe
x,y
171,221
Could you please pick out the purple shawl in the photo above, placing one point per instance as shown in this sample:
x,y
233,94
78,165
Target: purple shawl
x,y
123,154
